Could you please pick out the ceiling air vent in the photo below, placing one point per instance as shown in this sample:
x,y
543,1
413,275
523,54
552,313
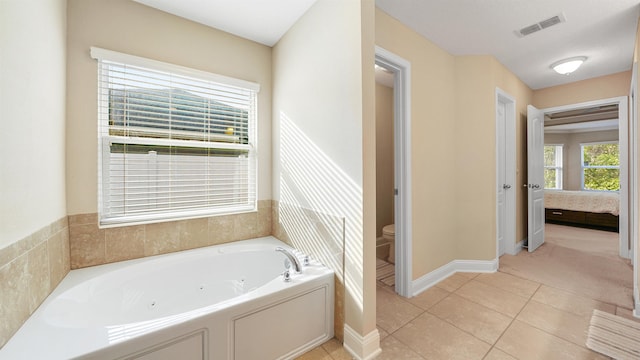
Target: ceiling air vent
x,y
528,30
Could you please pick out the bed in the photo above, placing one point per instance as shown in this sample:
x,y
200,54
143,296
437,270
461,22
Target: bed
x,y
595,209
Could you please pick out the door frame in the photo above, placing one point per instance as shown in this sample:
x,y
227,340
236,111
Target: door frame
x,y
402,166
509,221
623,141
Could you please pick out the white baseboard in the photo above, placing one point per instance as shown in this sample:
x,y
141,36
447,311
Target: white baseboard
x,y
424,282
362,347
636,303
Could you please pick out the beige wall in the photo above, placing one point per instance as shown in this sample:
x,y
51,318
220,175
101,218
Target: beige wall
x,y
34,237
32,109
319,156
433,144
384,158
147,32
477,78
571,165
453,134
603,87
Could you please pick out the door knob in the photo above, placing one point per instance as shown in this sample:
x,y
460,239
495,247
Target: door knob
x,y
506,186
536,186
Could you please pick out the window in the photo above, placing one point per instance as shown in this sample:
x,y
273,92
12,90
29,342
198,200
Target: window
x,y
553,166
175,143
600,166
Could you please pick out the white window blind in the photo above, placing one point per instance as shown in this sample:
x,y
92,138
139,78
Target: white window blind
x,y
175,143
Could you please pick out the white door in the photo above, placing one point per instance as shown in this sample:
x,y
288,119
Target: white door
x,y
535,175
502,185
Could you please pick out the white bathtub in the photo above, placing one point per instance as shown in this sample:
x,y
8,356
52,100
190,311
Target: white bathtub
x,y
221,302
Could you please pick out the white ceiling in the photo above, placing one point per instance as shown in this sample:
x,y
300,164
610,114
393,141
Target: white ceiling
x,y
258,20
602,30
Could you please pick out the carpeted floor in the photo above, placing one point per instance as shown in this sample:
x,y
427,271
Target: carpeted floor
x,y
579,260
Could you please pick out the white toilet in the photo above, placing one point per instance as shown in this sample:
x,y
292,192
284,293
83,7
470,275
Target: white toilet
x,y
389,234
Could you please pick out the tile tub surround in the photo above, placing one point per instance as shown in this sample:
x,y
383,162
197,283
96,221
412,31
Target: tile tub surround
x,y
90,245
29,271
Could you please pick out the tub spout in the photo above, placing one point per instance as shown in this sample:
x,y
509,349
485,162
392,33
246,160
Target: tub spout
x,y
297,267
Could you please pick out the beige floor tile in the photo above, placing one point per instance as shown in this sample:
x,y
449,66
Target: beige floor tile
x,y
492,297
514,284
480,321
434,338
626,313
526,342
470,275
335,349
316,354
392,349
453,282
429,297
570,302
383,333
497,354
392,311
568,326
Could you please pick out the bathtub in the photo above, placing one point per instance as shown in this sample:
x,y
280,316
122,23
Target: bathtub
x,y
220,302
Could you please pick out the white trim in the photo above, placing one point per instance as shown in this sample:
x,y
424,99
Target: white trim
x,y
402,173
109,55
481,266
362,347
509,236
519,246
633,181
623,124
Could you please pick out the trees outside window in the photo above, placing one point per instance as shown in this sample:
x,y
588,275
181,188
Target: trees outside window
x,y
553,166
601,166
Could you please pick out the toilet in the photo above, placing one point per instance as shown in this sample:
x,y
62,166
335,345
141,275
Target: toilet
x,y
389,234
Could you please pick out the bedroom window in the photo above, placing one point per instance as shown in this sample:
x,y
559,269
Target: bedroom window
x,y
600,166
174,143
553,166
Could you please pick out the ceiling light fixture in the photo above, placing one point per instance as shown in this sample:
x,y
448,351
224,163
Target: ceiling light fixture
x,y
567,66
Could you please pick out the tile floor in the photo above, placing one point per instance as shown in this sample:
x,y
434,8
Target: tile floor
x,y
481,316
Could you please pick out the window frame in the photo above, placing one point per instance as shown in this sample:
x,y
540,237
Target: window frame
x,y
559,169
105,139
582,167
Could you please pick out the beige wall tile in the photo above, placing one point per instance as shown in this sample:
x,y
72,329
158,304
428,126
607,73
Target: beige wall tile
x,y
264,220
83,219
14,297
162,238
66,250
338,309
195,234
86,245
39,276
245,226
221,229
57,259
124,243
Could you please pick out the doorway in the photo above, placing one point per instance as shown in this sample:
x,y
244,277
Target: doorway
x,y
505,174
620,104
401,70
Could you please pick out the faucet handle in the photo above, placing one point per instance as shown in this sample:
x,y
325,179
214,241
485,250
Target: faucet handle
x,y
286,275
306,260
